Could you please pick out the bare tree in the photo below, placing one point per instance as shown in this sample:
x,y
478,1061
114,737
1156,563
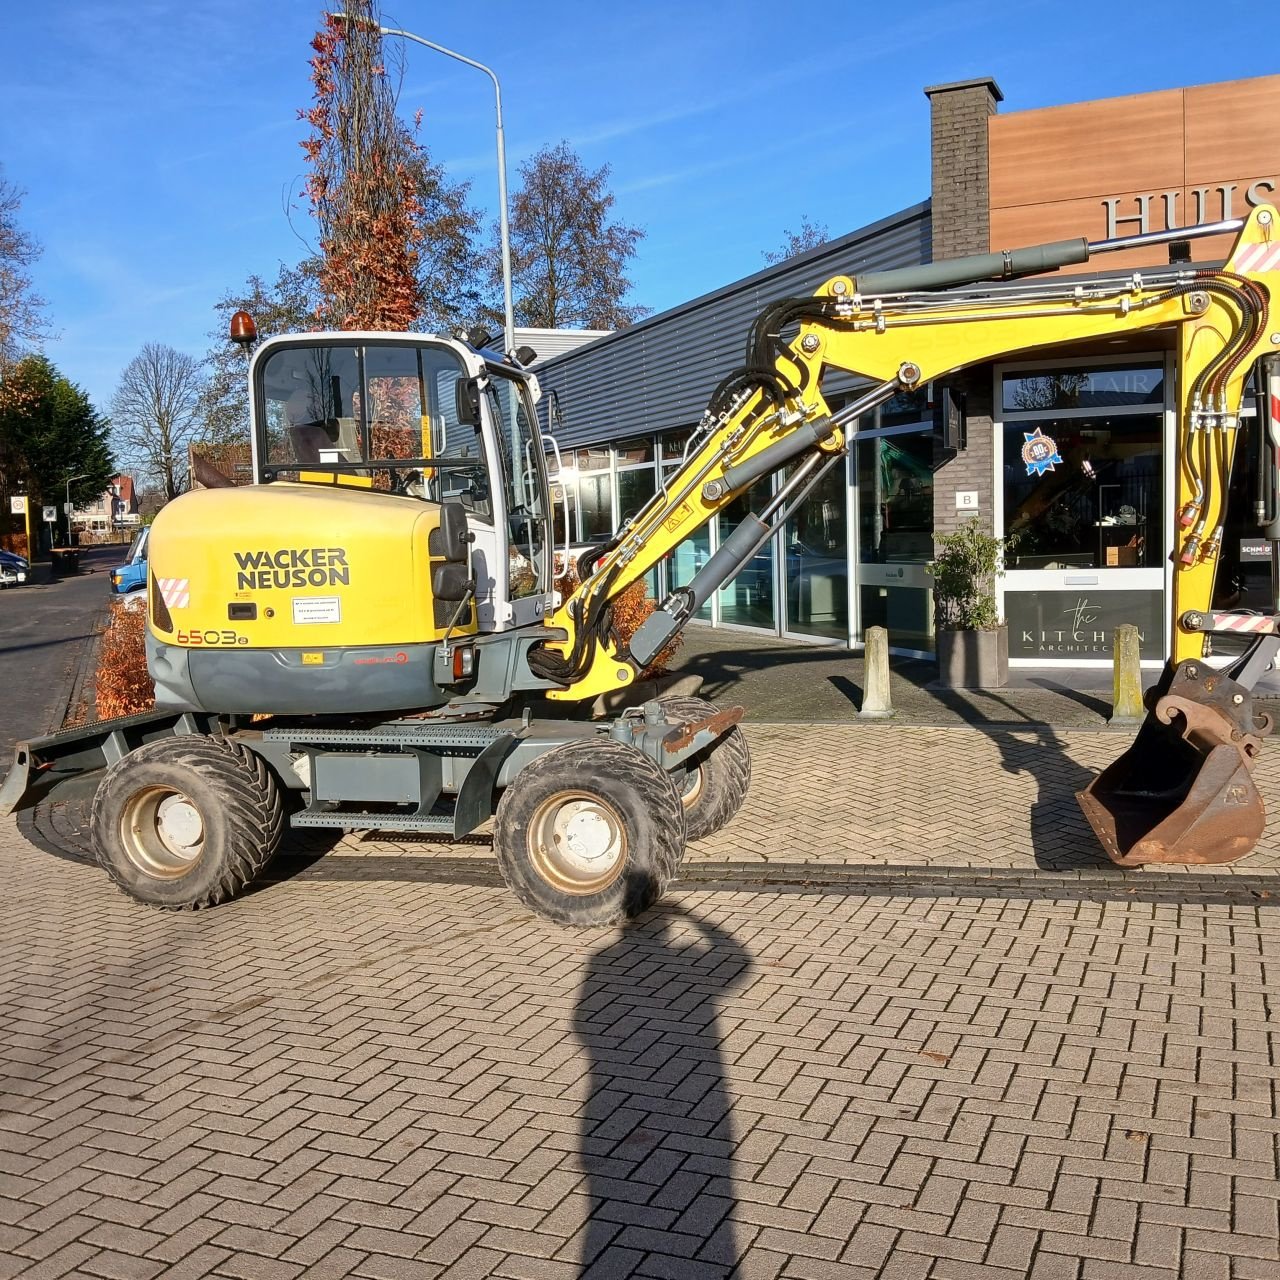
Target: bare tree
x,y
21,322
567,258
810,236
155,413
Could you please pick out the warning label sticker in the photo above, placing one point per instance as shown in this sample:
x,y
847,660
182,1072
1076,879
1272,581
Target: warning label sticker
x,y
308,609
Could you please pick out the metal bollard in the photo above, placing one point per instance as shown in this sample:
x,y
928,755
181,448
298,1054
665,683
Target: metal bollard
x,y
1126,694
877,701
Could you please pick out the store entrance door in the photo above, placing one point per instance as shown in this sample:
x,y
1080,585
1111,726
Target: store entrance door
x,y
895,537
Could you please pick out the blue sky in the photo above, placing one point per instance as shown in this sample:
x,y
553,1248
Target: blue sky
x,y
157,140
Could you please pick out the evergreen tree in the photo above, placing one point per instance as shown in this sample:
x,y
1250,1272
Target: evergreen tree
x,y
49,431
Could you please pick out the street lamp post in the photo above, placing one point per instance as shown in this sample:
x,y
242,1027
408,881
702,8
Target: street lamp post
x,y
504,231
70,480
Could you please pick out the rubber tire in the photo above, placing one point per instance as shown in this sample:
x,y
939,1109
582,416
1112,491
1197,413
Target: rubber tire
x,y
724,766
239,804
642,796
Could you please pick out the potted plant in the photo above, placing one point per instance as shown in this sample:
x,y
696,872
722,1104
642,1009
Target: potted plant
x,y
972,639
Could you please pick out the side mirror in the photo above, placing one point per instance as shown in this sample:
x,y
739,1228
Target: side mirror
x,y
466,395
450,581
454,535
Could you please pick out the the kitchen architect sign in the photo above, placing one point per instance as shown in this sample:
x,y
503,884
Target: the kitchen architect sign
x,y
1080,624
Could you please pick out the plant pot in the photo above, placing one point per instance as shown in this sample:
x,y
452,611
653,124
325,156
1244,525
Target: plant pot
x,y
973,659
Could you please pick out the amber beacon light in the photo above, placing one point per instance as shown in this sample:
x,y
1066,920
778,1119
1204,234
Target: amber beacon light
x,y
243,331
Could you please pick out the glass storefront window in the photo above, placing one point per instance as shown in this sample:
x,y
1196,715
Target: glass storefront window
x,y
673,446
817,570
906,407
747,599
632,452
636,486
593,459
1101,507
1037,390
595,506
895,499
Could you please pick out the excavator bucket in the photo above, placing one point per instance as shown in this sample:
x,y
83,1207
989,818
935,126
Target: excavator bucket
x,y
1184,793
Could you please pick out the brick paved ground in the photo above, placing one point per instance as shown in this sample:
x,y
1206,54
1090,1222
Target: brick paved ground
x,y
388,1079
910,796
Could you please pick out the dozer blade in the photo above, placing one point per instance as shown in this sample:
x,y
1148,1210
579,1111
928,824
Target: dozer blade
x,y
1183,793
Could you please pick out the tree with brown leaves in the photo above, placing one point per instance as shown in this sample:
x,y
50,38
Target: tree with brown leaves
x,y
363,188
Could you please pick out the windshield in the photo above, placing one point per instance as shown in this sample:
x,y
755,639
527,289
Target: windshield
x,y
336,406
137,548
523,478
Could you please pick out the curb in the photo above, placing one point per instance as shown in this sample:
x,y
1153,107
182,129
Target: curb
x,y
82,673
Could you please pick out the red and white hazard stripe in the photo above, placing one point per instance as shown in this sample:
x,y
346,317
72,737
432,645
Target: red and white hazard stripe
x,y
1256,623
175,592
1257,257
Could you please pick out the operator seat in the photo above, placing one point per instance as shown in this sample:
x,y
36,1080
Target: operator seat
x,y
313,436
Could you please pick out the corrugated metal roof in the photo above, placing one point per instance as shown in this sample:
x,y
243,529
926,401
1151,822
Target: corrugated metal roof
x,y
549,343
658,374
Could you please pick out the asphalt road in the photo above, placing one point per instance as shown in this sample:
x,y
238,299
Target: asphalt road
x,y
42,629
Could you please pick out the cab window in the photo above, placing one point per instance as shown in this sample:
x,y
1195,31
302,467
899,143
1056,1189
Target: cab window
x,y
353,407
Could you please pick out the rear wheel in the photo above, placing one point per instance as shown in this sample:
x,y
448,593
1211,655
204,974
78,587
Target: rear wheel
x,y
715,781
186,822
590,833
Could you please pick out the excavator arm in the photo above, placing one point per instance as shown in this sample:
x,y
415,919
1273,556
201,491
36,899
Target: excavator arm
x,y
1183,792
895,331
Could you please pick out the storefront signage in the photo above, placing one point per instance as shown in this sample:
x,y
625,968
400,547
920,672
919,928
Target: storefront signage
x,y
1056,625
1131,215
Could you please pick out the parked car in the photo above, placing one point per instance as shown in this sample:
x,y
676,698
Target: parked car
x,y
132,575
14,569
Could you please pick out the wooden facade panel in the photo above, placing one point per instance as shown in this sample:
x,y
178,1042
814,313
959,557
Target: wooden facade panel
x,y
1122,144
1053,171
1231,128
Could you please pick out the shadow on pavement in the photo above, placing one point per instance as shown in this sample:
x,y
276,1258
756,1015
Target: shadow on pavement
x,y
1061,838
657,1135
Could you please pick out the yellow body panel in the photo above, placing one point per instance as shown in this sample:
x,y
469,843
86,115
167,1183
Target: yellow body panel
x,y
324,565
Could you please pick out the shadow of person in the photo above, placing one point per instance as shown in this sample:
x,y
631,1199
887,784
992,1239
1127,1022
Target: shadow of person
x,y
657,1136
1061,838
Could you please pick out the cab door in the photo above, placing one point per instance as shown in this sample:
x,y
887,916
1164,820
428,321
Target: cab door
x,y
525,500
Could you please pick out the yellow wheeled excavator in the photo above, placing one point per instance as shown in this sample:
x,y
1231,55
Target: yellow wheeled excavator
x,y
371,626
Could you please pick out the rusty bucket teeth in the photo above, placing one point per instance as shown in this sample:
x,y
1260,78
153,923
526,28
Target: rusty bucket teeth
x,y
1183,793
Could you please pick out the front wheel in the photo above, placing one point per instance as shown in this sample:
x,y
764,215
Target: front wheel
x,y
715,781
590,833
186,822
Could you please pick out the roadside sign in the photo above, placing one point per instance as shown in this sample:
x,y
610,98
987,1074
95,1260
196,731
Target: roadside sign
x,y
50,514
68,507
18,506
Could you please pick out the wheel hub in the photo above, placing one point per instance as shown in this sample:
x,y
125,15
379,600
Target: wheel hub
x,y
178,822
162,832
577,843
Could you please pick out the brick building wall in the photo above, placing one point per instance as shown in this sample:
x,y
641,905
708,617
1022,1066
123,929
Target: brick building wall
x,y
972,469
960,155
962,225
